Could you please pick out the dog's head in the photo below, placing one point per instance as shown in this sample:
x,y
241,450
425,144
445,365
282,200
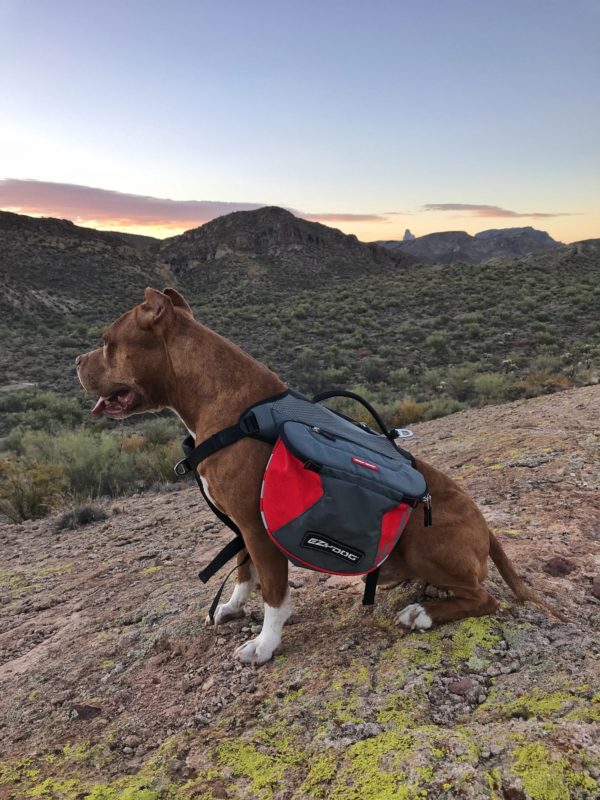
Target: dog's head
x,y
130,372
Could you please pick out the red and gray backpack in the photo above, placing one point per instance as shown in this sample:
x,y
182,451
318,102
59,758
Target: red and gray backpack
x,y
336,495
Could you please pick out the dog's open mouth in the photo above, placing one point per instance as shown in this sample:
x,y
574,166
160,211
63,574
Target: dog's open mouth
x,y
115,404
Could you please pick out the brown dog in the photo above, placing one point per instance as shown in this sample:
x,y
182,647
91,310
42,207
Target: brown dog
x,y
157,356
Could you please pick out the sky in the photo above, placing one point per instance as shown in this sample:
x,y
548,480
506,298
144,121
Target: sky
x,y
373,117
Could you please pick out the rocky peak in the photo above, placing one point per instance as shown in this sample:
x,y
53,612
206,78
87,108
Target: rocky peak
x,y
448,246
267,233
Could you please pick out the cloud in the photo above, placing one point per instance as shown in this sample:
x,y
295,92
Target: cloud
x,y
103,207
343,217
87,204
489,211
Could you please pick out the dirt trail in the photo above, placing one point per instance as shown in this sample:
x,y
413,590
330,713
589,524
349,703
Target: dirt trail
x,y
112,687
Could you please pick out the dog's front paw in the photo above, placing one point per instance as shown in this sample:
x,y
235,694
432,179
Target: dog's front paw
x,y
256,651
415,618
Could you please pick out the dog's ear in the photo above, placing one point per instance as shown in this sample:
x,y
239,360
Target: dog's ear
x,y
155,309
178,300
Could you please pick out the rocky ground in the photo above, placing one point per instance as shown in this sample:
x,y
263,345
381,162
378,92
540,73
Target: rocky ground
x,y
112,688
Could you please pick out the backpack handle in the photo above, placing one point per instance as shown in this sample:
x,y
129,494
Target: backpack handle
x,y
391,435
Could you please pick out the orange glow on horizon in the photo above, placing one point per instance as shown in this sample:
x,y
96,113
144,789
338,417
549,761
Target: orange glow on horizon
x,y
564,229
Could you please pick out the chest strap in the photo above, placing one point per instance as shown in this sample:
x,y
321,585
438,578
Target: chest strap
x,y
196,455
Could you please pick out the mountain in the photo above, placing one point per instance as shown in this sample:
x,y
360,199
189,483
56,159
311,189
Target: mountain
x,y
321,308
450,246
272,241
59,285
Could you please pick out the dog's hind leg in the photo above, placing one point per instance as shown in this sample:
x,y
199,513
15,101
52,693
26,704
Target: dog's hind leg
x,y
247,581
467,602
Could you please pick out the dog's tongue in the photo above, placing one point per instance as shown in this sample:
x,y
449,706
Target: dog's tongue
x,y
115,403
100,406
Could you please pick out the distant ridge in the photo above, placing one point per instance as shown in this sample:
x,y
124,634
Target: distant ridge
x,y
450,246
320,307
273,239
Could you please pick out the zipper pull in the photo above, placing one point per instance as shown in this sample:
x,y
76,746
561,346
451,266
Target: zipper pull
x,y
427,510
326,434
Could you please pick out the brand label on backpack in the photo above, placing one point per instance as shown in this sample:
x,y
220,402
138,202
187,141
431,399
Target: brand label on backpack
x,y
316,541
362,463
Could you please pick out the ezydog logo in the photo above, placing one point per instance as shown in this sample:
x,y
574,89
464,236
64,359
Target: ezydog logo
x,y
316,541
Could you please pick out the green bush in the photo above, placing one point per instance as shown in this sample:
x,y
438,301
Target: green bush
x,y
38,410
492,386
440,407
460,382
405,412
400,378
29,490
437,343
374,370
161,430
89,464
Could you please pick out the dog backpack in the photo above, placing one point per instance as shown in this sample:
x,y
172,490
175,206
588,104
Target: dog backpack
x,y
336,495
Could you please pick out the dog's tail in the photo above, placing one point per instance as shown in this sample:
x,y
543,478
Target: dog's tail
x,y
518,586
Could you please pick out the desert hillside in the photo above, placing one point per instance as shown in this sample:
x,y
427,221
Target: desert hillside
x,y
113,688
321,308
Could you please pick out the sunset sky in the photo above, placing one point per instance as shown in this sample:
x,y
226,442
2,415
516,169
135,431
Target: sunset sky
x,y
373,117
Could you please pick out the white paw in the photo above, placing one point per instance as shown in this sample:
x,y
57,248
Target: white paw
x,y
256,651
226,612
415,618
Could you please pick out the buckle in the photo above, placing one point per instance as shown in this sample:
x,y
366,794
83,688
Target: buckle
x,y
182,467
249,424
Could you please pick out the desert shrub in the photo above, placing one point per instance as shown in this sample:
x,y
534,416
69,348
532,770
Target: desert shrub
x,y
101,463
374,370
459,382
492,386
155,464
584,375
437,343
400,378
132,443
39,410
162,430
546,362
542,382
334,378
12,442
29,490
94,463
79,516
434,379
440,407
405,412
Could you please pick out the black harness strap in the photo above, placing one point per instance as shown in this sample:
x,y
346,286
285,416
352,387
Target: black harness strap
x,y
370,587
230,550
195,455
